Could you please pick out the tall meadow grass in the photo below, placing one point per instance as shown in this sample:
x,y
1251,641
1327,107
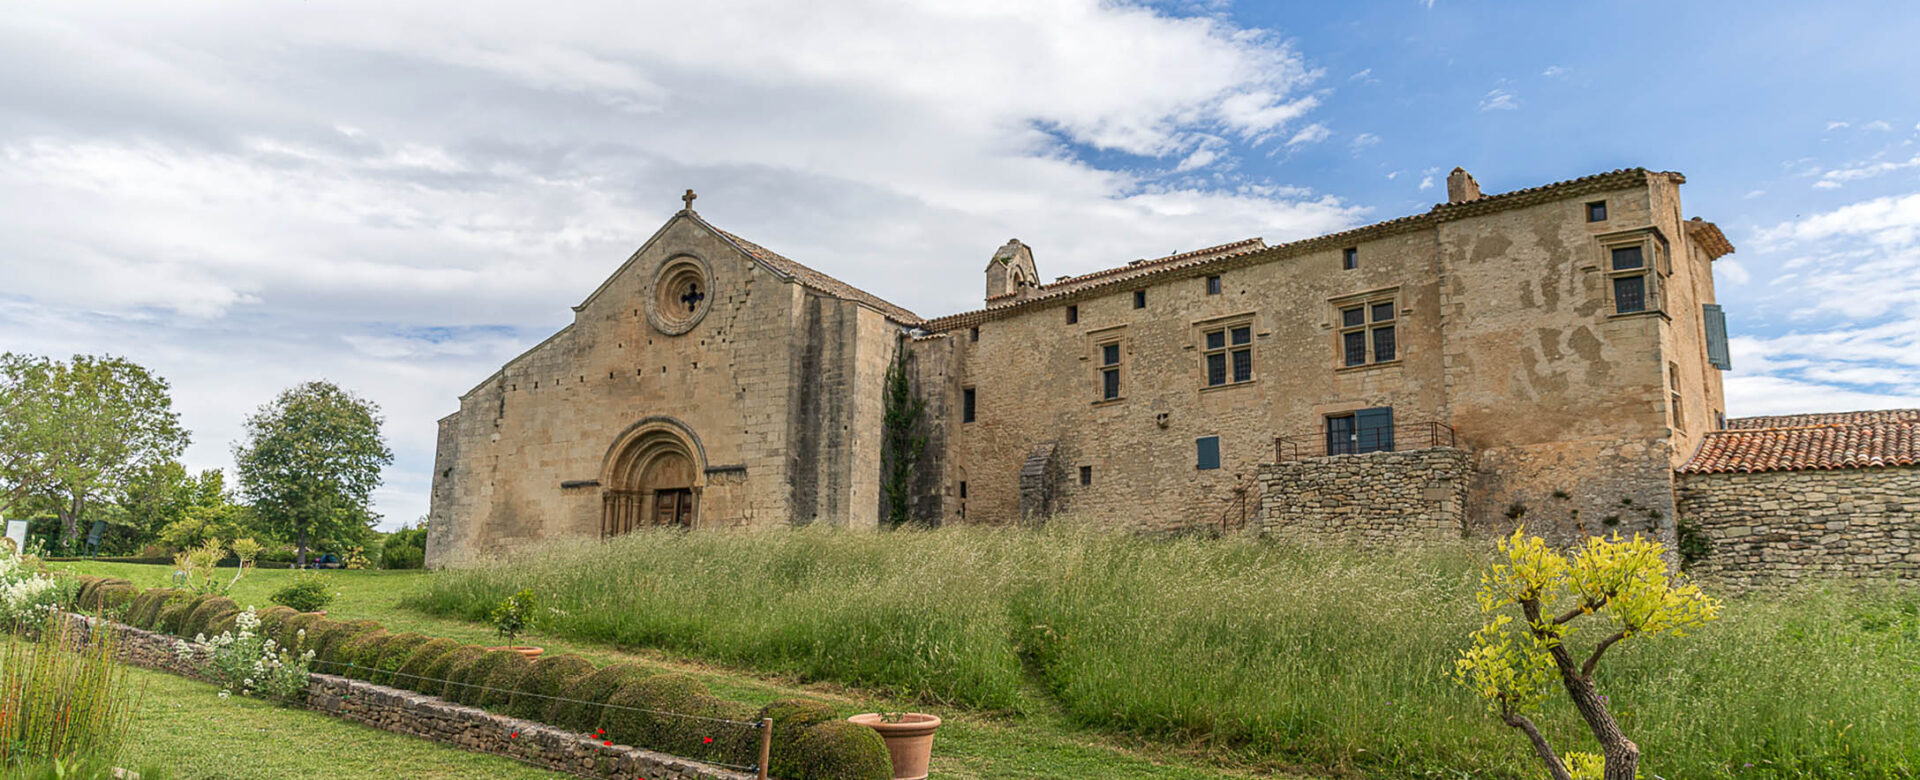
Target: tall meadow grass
x,y
1318,657
61,701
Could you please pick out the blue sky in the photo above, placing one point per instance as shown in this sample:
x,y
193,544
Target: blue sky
x,y
400,197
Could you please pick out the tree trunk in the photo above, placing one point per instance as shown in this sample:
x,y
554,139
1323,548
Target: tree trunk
x,y
1623,757
1555,767
301,559
70,523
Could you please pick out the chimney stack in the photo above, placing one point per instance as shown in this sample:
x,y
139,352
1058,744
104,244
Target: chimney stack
x,y
1461,187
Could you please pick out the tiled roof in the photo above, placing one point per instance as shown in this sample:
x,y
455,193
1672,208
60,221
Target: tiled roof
x,y
814,280
1844,440
1250,251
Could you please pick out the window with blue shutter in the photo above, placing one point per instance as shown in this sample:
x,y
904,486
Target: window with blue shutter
x,y
1717,337
1209,448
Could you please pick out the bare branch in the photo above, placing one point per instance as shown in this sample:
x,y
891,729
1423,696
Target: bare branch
x,y
1591,606
1586,669
1540,747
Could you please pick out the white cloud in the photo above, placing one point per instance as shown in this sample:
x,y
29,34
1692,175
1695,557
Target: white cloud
x,y
1733,270
1311,134
1365,75
1499,100
1751,194
1426,182
1833,179
1554,71
1837,125
1878,124
401,196
1364,141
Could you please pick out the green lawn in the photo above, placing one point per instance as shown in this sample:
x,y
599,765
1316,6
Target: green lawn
x,y
184,719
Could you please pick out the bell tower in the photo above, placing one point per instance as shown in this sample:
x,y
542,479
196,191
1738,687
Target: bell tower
x,y
1011,272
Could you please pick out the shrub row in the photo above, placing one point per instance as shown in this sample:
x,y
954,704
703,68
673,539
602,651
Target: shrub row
x,y
620,703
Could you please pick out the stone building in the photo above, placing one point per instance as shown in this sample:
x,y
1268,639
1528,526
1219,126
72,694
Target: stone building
x,y
1560,342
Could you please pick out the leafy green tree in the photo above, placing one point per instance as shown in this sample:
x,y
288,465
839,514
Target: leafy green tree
x,y
310,464
1620,583
81,432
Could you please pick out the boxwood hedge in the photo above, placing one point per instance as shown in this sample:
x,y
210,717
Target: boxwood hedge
x,y
417,673
357,657
542,686
491,681
451,671
394,654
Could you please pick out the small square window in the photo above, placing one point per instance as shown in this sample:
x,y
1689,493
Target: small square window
x,y
966,405
1110,354
1242,334
1350,258
1353,317
1597,211
1086,475
1139,299
1216,339
1627,258
1382,312
1213,285
1073,314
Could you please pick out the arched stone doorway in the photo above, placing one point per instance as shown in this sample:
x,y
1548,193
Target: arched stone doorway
x,y
652,479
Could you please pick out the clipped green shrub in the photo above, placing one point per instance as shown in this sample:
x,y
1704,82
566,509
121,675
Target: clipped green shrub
x,y
491,681
451,671
140,612
394,654
544,683
648,714
838,750
357,657
205,613
223,624
174,615
327,637
271,619
791,718
113,598
417,673
586,697
83,597
307,591
289,636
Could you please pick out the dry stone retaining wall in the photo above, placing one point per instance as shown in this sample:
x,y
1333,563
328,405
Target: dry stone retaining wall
x,y
1375,498
1779,527
419,715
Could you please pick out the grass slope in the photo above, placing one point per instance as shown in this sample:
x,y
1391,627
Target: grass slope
x,y
1258,652
1038,745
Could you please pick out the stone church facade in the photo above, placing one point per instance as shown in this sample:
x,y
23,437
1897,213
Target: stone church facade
x,y
1557,348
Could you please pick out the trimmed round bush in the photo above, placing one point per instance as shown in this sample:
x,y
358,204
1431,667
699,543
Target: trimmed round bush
x,y
450,669
545,683
83,596
204,615
139,612
357,657
114,597
491,680
223,624
394,654
791,718
272,618
327,637
838,750
289,636
173,616
417,673
586,697
646,714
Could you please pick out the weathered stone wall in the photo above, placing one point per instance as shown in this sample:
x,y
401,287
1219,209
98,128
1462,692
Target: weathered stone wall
x,y
1778,527
1378,498
428,717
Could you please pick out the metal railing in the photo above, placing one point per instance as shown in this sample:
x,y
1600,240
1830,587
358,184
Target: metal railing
x,y
1329,441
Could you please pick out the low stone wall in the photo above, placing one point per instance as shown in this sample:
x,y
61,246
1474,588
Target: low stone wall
x,y
1375,499
406,712
1778,527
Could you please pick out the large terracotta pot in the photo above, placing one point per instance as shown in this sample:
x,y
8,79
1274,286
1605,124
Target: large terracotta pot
x,y
909,741
530,652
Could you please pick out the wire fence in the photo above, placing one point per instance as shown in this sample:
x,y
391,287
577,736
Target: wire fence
x,y
762,728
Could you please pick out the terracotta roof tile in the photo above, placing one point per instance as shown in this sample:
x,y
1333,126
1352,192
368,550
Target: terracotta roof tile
x,y
814,280
1843,440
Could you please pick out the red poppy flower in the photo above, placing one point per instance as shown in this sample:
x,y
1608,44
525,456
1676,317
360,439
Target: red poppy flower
x,y
607,744
708,739
514,735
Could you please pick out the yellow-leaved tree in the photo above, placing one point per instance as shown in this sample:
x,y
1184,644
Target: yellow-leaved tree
x,y
1621,584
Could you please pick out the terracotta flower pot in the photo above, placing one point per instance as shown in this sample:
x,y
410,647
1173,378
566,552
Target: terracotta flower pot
x,y
530,652
909,741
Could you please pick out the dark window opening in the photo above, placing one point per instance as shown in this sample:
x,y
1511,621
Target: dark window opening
x,y
963,488
1356,348
1073,314
966,405
1627,258
1229,348
1213,285
973,334
1366,430
1350,258
1367,334
1109,371
1383,344
1086,475
1630,294
1139,299
1597,211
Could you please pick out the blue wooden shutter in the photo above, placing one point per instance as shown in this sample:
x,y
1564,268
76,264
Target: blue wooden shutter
x,y
1717,337
1209,449
1374,428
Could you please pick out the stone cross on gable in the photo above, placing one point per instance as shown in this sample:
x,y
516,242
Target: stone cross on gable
x,y
688,199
